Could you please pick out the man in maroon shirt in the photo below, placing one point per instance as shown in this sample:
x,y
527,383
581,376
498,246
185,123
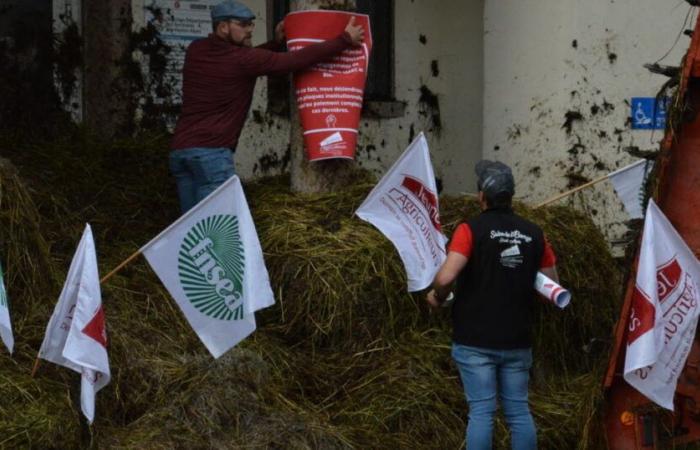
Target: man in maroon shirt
x,y
218,80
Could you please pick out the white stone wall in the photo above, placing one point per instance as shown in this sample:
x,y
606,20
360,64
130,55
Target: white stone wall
x,y
546,58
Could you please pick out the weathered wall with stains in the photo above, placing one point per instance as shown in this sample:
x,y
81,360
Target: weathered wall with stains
x,y
541,84
559,75
438,74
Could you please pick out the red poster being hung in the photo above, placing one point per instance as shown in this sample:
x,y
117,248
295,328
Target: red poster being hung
x,y
329,94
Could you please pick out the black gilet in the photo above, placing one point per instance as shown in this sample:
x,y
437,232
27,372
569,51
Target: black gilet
x,y
495,296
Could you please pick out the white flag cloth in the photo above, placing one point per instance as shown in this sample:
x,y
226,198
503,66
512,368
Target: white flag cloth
x,y
211,262
75,336
404,207
628,183
5,324
664,311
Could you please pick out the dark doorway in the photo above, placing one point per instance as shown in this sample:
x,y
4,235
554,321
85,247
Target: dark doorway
x,y
26,57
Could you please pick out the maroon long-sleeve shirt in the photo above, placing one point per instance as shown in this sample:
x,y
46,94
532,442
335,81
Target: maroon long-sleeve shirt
x,y
218,83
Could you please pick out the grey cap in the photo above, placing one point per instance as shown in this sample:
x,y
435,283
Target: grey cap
x,y
494,178
231,9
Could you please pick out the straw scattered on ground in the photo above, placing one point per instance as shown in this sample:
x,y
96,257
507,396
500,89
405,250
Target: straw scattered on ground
x,y
345,359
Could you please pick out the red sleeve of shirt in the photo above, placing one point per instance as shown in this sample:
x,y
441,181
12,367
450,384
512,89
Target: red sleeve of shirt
x,y
462,240
549,259
260,61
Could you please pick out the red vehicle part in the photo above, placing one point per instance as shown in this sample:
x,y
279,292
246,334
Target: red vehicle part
x,y
632,421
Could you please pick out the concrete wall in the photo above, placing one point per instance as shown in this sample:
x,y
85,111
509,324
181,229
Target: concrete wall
x,y
546,58
543,85
438,51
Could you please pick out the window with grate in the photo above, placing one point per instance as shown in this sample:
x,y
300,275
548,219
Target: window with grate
x,y
380,77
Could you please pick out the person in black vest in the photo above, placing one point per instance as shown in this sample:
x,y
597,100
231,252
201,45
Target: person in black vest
x,y
494,259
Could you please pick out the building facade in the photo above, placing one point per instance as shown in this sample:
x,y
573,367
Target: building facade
x,y
546,86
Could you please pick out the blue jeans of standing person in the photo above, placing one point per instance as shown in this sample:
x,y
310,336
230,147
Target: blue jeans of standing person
x,y
199,171
488,375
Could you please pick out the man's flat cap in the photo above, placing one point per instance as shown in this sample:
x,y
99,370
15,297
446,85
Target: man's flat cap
x,y
231,9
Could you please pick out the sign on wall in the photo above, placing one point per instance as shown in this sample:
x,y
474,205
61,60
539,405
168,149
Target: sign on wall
x,y
648,113
179,22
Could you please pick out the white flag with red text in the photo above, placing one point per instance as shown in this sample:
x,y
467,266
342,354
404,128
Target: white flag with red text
x,y
664,313
75,336
404,207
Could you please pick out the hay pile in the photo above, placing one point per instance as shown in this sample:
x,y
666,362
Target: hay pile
x,y
345,359
32,412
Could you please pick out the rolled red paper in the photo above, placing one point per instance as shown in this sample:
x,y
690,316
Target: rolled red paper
x,y
329,94
552,290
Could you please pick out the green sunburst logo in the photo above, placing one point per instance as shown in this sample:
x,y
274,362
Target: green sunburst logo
x,y
211,264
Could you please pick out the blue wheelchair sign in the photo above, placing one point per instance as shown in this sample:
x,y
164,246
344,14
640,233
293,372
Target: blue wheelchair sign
x,y
648,113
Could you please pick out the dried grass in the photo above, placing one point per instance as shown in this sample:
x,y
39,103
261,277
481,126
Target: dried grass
x,y
346,359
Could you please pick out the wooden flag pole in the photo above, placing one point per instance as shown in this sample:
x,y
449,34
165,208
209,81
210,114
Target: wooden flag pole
x,y
571,191
36,366
120,266
105,278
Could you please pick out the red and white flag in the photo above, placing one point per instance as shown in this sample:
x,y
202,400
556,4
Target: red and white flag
x,y
75,336
404,207
664,313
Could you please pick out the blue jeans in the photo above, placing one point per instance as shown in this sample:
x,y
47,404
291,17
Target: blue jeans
x,y
487,374
199,171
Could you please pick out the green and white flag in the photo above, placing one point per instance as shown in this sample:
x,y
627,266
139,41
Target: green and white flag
x,y
5,324
211,262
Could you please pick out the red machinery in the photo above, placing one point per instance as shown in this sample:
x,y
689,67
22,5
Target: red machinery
x,y
632,421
